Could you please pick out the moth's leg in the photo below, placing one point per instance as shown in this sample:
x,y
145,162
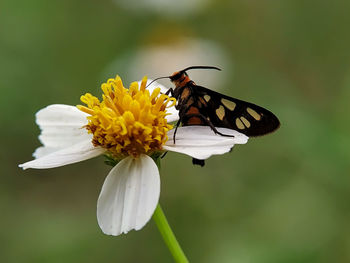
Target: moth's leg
x,y
208,122
171,91
177,125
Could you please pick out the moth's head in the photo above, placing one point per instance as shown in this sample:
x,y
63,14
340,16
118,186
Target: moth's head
x,y
178,76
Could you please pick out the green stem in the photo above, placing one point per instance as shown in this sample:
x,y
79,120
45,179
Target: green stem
x,y
168,236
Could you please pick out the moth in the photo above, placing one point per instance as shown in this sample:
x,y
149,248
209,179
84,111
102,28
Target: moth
x,y
198,105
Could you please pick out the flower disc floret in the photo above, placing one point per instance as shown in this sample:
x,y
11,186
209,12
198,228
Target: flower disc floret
x,y
128,121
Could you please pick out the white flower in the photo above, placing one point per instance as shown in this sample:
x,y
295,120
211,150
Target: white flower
x,y
131,190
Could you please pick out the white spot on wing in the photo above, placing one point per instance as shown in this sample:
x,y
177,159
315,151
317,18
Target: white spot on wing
x,y
228,104
220,112
245,121
239,124
207,98
254,114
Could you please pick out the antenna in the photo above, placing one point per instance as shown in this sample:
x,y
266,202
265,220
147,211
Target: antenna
x,y
200,67
157,79
184,70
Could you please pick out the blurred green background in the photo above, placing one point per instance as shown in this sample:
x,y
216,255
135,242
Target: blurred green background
x,y
280,198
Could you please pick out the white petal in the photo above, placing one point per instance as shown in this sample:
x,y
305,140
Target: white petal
x,y
173,116
174,113
43,150
61,126
73,154
201,142
129,195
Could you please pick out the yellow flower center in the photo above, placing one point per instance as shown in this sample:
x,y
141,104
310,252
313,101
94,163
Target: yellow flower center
x,y
128,121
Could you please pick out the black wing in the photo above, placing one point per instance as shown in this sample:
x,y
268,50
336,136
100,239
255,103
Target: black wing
x,y
239,115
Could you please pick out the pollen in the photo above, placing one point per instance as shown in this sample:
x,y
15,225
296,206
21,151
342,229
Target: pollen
x,y
128,122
